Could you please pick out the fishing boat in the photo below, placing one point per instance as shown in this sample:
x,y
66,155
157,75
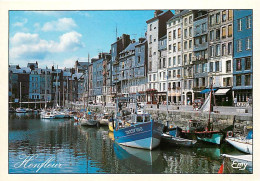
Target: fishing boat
x,y
140,131
206,134
244,144
178,141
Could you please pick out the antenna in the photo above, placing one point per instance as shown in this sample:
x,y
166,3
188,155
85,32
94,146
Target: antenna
x,y
116,31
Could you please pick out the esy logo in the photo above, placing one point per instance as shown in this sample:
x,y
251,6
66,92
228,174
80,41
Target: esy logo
x,y
239,165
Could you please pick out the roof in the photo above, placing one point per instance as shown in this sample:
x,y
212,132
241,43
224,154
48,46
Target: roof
x,y
158,16
164,37
66,74
77,75
179,15
130,47
21,70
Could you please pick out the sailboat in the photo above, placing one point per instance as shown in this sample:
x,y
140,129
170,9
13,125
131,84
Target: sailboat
x,y
204,134
20,109
244,144
88,119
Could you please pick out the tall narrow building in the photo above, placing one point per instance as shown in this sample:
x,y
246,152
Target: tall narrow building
x,y
156,29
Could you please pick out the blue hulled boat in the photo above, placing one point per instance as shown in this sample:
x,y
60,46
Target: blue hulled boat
x,y
145,135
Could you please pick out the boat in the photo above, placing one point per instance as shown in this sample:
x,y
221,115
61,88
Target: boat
x,y
20,110
140,131
12,110
178,141
88,120
111,125
47,115
104,120
244,144
195,127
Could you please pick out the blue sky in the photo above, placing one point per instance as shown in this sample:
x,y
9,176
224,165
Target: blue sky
x,y
62,37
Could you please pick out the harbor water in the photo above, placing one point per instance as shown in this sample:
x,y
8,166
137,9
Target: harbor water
x,y
61,146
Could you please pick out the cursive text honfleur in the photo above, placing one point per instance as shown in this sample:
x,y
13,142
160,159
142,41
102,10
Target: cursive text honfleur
x,y
27,162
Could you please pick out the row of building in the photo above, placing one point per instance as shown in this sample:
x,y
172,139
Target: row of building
x,y
182,55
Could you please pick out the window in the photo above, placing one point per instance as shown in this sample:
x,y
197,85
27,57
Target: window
x,y
211,51
174,73
247,63
174,60
247,79
190,57
211,20
154,77
217,66
169,62
185,21
203,27
169,75
190,31
190,19
150,39
217,50
238,80
239,25
154,40
217,34
174,47
190,43
185,45
185,59
230,48
230,31
170,35
150,77
248,43
164,63
211,35
154,53
170,47
224,16
239,45
160,75
211,66
197,68
174,34
139,59
248,22
185,33
151,27
164,75
223,49
179,33
224,32
226,81
217,18
179,59
197,29
238,64
179,46
230,15
204,67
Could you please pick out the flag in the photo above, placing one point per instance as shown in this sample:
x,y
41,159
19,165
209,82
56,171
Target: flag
x,y
221,169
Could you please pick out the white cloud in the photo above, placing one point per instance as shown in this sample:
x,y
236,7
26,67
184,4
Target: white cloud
x,y
62,24
30,46
20,23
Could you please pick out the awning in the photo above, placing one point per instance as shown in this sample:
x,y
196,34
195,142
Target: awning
x,y
206,91
221,92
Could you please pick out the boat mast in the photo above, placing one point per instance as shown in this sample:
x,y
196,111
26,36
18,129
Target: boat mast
x,y
88,81
20,94
45,92
56,92
167,106
210,94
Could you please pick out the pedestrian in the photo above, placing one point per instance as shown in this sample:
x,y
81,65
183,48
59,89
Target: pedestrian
x,y
235,102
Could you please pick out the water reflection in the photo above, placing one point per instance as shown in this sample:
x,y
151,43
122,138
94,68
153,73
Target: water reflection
x,y
93,150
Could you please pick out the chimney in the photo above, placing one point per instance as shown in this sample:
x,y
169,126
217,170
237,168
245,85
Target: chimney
x,y
141,40
157,12
133,40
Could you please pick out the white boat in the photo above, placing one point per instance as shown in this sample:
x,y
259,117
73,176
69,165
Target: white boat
x,y
47,115
58,115
241,143
87,122
104,119
244,145
20,110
